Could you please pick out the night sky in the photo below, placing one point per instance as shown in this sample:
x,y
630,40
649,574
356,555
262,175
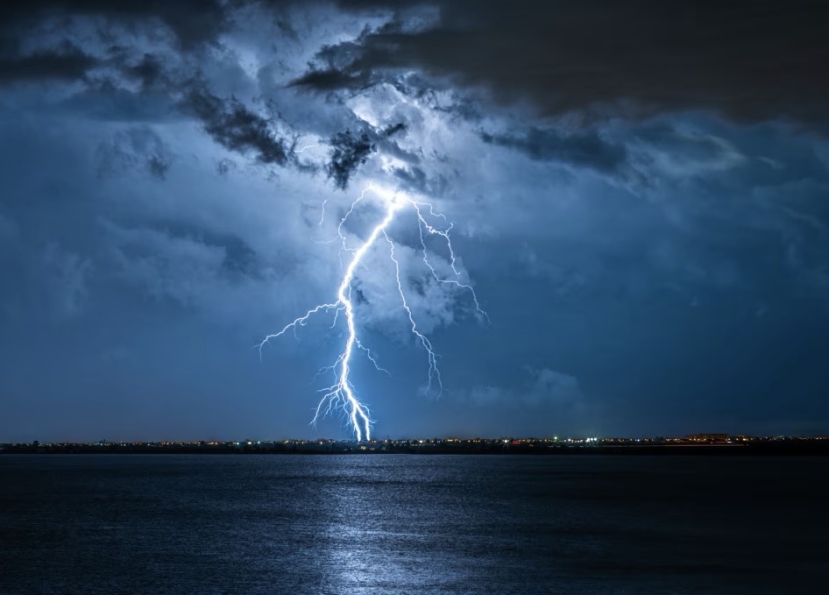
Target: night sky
x,y
639,192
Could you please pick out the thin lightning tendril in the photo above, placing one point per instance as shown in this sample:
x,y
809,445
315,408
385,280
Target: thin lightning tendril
x,y
342,393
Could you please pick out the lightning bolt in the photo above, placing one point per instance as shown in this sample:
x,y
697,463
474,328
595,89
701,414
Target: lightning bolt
x,y
341,394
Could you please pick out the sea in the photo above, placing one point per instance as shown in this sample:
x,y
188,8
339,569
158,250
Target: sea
x,y
412,524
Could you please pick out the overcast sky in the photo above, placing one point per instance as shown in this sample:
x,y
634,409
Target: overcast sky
x,y
639,194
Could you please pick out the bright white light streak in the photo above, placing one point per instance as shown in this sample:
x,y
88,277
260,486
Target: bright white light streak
x,y
341,394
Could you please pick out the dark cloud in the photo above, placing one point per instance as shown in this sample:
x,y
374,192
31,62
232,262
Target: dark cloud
x,y
350,151
158,166
348,154
192,21
416,179
236,128
149,70
335,68
330,79
66,62
751,61
579,149
394,129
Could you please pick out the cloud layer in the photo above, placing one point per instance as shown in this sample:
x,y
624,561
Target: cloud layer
x,y
637,194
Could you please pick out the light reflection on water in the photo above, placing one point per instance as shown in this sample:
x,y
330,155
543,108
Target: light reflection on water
x,y
410,524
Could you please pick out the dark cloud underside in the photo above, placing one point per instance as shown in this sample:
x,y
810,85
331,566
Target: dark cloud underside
x,y
583,149
236,128
749,60
67,62
348,154
192,21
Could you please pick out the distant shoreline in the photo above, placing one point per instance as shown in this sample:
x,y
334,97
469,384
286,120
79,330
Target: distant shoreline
x,y
771,448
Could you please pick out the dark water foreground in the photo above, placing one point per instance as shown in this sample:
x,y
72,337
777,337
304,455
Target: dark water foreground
x,y
412,524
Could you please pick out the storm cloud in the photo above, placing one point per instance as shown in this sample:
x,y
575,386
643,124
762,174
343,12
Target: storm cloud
x,y
637,192
748,61
349,152
236,128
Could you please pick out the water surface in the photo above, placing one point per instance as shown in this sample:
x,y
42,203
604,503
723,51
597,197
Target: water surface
x,y
419,524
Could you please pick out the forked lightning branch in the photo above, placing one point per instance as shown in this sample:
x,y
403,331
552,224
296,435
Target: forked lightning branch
x,y
342,394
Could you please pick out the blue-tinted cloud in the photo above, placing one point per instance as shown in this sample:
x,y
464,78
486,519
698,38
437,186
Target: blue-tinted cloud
x,y
652,256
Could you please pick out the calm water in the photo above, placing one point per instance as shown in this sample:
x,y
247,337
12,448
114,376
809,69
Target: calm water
x,y
411,524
